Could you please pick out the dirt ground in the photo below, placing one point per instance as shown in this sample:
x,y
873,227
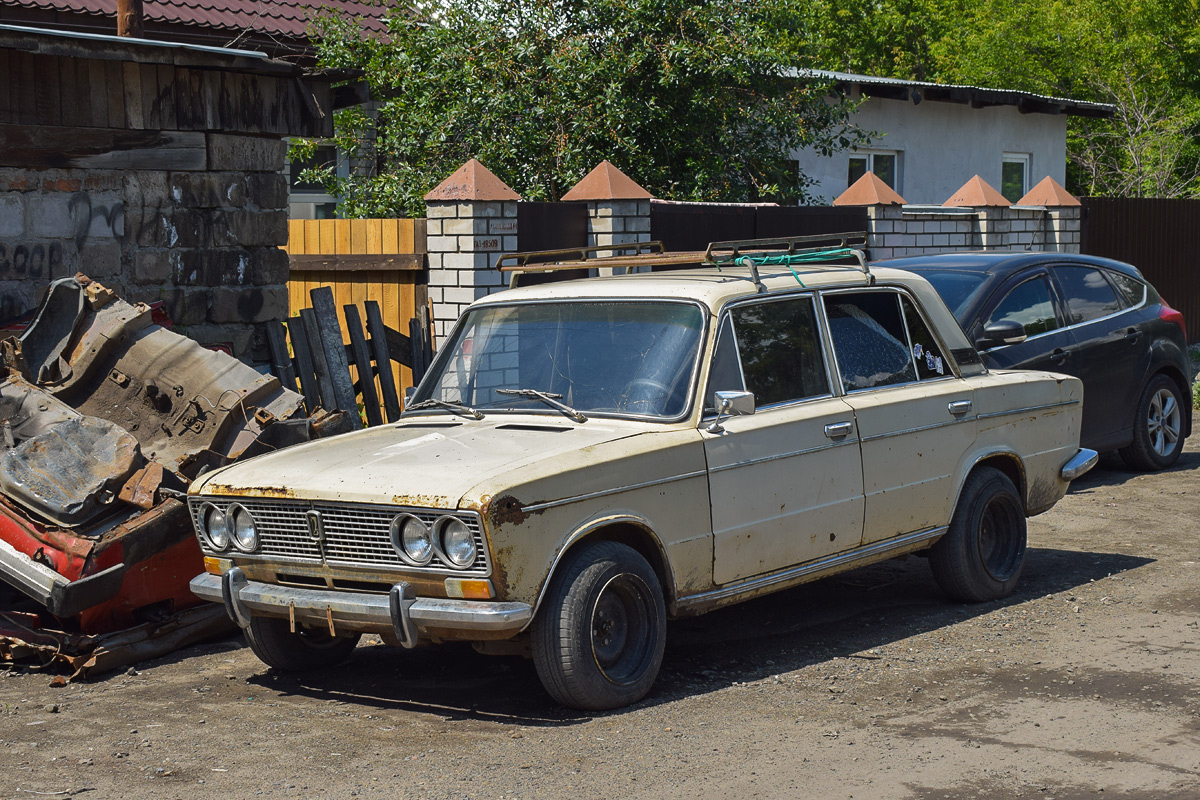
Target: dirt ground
x,y
1084,684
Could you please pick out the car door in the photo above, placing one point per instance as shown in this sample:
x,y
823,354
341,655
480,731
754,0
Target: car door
x,y
785,482
1029,299
1110,352
914,414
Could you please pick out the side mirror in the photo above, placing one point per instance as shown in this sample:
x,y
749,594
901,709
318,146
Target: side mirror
x,y
1006,331
731,404
408,393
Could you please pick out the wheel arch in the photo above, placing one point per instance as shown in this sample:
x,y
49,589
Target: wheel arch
x,y
1006,462
633,532
1171,371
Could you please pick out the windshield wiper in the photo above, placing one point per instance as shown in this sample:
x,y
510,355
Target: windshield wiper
x,y
458,408
549,398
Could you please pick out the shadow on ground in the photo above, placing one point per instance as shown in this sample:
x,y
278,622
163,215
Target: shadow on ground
x,y
846,614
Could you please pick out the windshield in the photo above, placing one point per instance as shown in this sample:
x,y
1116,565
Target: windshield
x,y
596,357
956,288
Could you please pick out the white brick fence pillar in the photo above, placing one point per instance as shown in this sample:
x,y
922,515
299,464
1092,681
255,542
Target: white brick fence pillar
x,y
618,207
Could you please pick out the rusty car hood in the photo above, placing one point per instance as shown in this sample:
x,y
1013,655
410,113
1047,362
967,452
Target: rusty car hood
x,y
436,462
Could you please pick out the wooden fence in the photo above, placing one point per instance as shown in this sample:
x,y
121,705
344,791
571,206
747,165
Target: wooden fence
x,y
361,260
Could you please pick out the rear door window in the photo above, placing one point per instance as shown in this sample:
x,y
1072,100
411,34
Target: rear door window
x,y
1087,293
870,339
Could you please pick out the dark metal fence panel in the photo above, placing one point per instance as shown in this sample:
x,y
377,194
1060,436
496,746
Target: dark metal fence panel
x,y
551,226
691,226
1158,236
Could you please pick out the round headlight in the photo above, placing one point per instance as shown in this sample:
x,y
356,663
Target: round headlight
x,y
412,539
216,527
458,543
245,535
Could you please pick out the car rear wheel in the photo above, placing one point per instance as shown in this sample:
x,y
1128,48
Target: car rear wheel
x,y
981,556
274,643
1157,428
598,639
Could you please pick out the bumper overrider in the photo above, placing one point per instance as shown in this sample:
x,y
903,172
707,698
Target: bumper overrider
x,y
399,611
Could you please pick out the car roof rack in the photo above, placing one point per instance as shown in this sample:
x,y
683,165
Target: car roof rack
x,y
788,251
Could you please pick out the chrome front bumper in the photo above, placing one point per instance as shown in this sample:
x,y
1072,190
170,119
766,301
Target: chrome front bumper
x,y
1083,461
399,610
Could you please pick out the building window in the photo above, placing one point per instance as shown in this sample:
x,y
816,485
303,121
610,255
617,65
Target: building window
x,y
307,199
884,163
1014,176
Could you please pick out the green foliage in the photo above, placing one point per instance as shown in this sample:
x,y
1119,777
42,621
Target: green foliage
x,y
691,99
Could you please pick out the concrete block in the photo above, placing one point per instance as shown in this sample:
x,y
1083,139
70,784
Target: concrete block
x,y
433,227
269,266
458,294
510,244
153,267
12,215
441,210
248,305
443,277
508,210
186,306
442,244
51,216
268,191
465,227
481,209
254,228
600,225
213,189
100,259
245,153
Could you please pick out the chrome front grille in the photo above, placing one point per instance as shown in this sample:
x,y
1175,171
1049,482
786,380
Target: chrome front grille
x,y
355,535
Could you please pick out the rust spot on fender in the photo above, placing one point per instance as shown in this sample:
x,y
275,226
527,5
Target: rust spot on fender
x,y
273,492
507,510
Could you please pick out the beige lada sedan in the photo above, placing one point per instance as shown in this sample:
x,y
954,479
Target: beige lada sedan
x,y
586,460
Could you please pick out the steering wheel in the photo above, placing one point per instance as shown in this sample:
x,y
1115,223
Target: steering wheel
x,y
645,396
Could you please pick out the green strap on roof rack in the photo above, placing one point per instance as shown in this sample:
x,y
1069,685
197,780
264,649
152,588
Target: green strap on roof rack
x,y
787,259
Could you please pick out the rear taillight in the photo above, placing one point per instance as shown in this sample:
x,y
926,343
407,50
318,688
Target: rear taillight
x,y
1165,312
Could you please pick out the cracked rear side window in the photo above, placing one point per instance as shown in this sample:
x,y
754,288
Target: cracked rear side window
x,y
869,339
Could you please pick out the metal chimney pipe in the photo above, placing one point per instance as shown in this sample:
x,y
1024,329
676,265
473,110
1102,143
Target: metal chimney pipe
x,y
129,18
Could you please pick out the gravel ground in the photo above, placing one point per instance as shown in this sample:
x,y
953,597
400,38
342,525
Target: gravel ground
x,y
1084,684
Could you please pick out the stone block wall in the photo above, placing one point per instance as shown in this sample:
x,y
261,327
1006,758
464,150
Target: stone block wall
x,y
465,240
618,222
896,231
205,243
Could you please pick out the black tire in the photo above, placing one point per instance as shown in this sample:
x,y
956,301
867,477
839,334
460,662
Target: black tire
x,y
598,638
276,646
1157,427
981,556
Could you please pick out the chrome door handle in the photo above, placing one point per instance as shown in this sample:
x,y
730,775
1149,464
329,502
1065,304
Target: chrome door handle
x,y
837,430
959,407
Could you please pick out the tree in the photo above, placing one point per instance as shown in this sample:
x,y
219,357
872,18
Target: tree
x,y
692,99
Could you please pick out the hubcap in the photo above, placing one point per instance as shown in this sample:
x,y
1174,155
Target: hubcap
x,y
1163,422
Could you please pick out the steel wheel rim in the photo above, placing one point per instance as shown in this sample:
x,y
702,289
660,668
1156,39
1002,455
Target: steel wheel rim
x,y
622,633
1000,545
1163,422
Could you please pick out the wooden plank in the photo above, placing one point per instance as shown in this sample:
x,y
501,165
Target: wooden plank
x,y
374,245
134,114
312,334
362,364
327,237
26,89
8,92
405,241
304,364
357,263
48,91
312,237
75,87
341,238
325,310
420,236
416,349
358,237
165,99
114,81
379,346
49,147
98,92
151,116
281,362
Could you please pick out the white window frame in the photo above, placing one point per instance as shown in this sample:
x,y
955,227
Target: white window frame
x,y
1024,159
302,204
870,157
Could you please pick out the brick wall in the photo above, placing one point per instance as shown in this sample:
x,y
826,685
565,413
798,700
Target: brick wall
x,y
897,231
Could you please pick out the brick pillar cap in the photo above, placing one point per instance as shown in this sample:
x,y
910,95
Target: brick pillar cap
x,y
869,190
472,181
976,193
1048,193
606,182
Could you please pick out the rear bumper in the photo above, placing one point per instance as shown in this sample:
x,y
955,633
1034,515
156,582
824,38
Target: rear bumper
x,y
1082,461
399,611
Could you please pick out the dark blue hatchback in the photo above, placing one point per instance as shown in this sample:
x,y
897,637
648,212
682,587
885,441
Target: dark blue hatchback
x,y
1093,318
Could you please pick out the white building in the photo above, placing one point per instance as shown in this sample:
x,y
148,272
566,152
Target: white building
x,y
934,137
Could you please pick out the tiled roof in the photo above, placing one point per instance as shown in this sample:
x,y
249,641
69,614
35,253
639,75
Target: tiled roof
x,y
869,190
272,17
472,181
606,182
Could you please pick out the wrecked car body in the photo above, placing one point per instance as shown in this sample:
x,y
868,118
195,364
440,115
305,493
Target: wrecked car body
x,y
105,419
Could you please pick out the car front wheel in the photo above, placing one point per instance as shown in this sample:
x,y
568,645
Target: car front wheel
x,y
274,643
1157,428
598,639
981,556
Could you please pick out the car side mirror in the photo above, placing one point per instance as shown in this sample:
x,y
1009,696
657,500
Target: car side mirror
x,y
1006,331
731,404
408,393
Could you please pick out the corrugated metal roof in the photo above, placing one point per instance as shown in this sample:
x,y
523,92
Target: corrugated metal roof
x,y
958,93
274,17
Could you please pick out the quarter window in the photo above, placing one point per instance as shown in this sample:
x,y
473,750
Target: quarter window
x,y
1089,295
1133,289
1029,304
